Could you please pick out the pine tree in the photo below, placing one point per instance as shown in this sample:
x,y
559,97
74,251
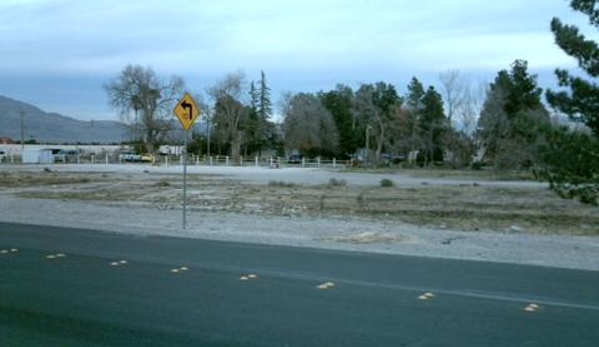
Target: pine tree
x,y
581,102
432,125
253,126
512,118
415,105
254,96
572,158
264,105
265,130
340,103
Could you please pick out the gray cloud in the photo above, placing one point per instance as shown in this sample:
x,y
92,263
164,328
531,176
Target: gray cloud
x,y
51,47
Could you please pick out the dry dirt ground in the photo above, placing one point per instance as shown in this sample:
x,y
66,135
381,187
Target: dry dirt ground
x,y
452,207
463,205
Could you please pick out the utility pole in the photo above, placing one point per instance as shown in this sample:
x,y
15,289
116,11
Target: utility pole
x,y
208,133
366,155
22,113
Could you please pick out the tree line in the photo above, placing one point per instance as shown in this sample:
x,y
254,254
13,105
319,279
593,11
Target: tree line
x,y
505,124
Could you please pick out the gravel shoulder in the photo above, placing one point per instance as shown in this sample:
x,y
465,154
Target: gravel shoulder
x,y
130,199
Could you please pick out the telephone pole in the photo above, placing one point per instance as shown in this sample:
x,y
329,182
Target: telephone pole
x,y
22,113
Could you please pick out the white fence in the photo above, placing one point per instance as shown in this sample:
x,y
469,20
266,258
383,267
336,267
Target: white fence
x,y
112,158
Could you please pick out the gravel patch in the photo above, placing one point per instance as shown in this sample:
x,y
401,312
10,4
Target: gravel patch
x,y
354,234
343,232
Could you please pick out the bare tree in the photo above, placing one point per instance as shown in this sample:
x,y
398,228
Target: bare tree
x,y
145,101
474,98
455,92
308,125
284,102
229,110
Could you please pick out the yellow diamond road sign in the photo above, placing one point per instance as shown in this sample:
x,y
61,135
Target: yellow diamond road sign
x,y
187,111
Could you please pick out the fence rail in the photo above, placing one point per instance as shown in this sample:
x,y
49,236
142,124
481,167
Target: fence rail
x,y
192,160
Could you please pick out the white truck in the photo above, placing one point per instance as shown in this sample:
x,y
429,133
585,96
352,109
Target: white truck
x,y
129,157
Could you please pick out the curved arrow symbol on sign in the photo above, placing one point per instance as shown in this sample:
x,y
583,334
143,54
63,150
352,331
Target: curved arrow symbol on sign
x,y
189,107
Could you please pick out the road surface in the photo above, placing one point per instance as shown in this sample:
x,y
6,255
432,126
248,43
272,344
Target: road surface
x,y
75,287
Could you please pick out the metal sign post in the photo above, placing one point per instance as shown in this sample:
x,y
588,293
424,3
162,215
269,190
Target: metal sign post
x,y
187,111
185,133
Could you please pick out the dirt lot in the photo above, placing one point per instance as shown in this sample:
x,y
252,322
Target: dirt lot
x,y
468,202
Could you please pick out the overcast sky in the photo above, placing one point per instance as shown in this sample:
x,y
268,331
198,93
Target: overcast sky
x,y
58,54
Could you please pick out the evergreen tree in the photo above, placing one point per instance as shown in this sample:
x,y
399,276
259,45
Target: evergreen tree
x,y
572,158
378,107
266,129
414,109
340,103
581,102
254,97
253,125
512,118
432,126
264,105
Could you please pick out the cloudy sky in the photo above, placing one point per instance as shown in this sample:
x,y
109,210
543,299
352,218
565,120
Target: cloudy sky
x,y
57,54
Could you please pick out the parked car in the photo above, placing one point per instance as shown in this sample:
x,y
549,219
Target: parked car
x,y
294,159
129,157
65,155
2,156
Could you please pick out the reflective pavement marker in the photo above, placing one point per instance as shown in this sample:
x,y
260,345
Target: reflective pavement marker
x,y
325,285
248,277
427,296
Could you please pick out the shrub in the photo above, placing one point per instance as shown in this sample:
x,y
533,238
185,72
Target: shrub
x,y
387,183
477,165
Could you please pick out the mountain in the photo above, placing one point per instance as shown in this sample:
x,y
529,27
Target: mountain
x,y
47,127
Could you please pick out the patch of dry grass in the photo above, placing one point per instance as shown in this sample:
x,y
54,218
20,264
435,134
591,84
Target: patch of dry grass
x,y
367,238
467,207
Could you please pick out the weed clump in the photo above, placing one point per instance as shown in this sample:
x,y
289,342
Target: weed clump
x,y
333,182
163,183
282,184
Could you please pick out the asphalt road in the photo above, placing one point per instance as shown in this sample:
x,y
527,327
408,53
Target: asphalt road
x,y
71,287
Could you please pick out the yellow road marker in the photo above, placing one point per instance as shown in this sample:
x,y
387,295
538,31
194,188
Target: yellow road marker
x,y
248,277
326,285
427,296
531,308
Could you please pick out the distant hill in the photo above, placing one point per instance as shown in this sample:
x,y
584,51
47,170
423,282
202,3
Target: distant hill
x,y
55,128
